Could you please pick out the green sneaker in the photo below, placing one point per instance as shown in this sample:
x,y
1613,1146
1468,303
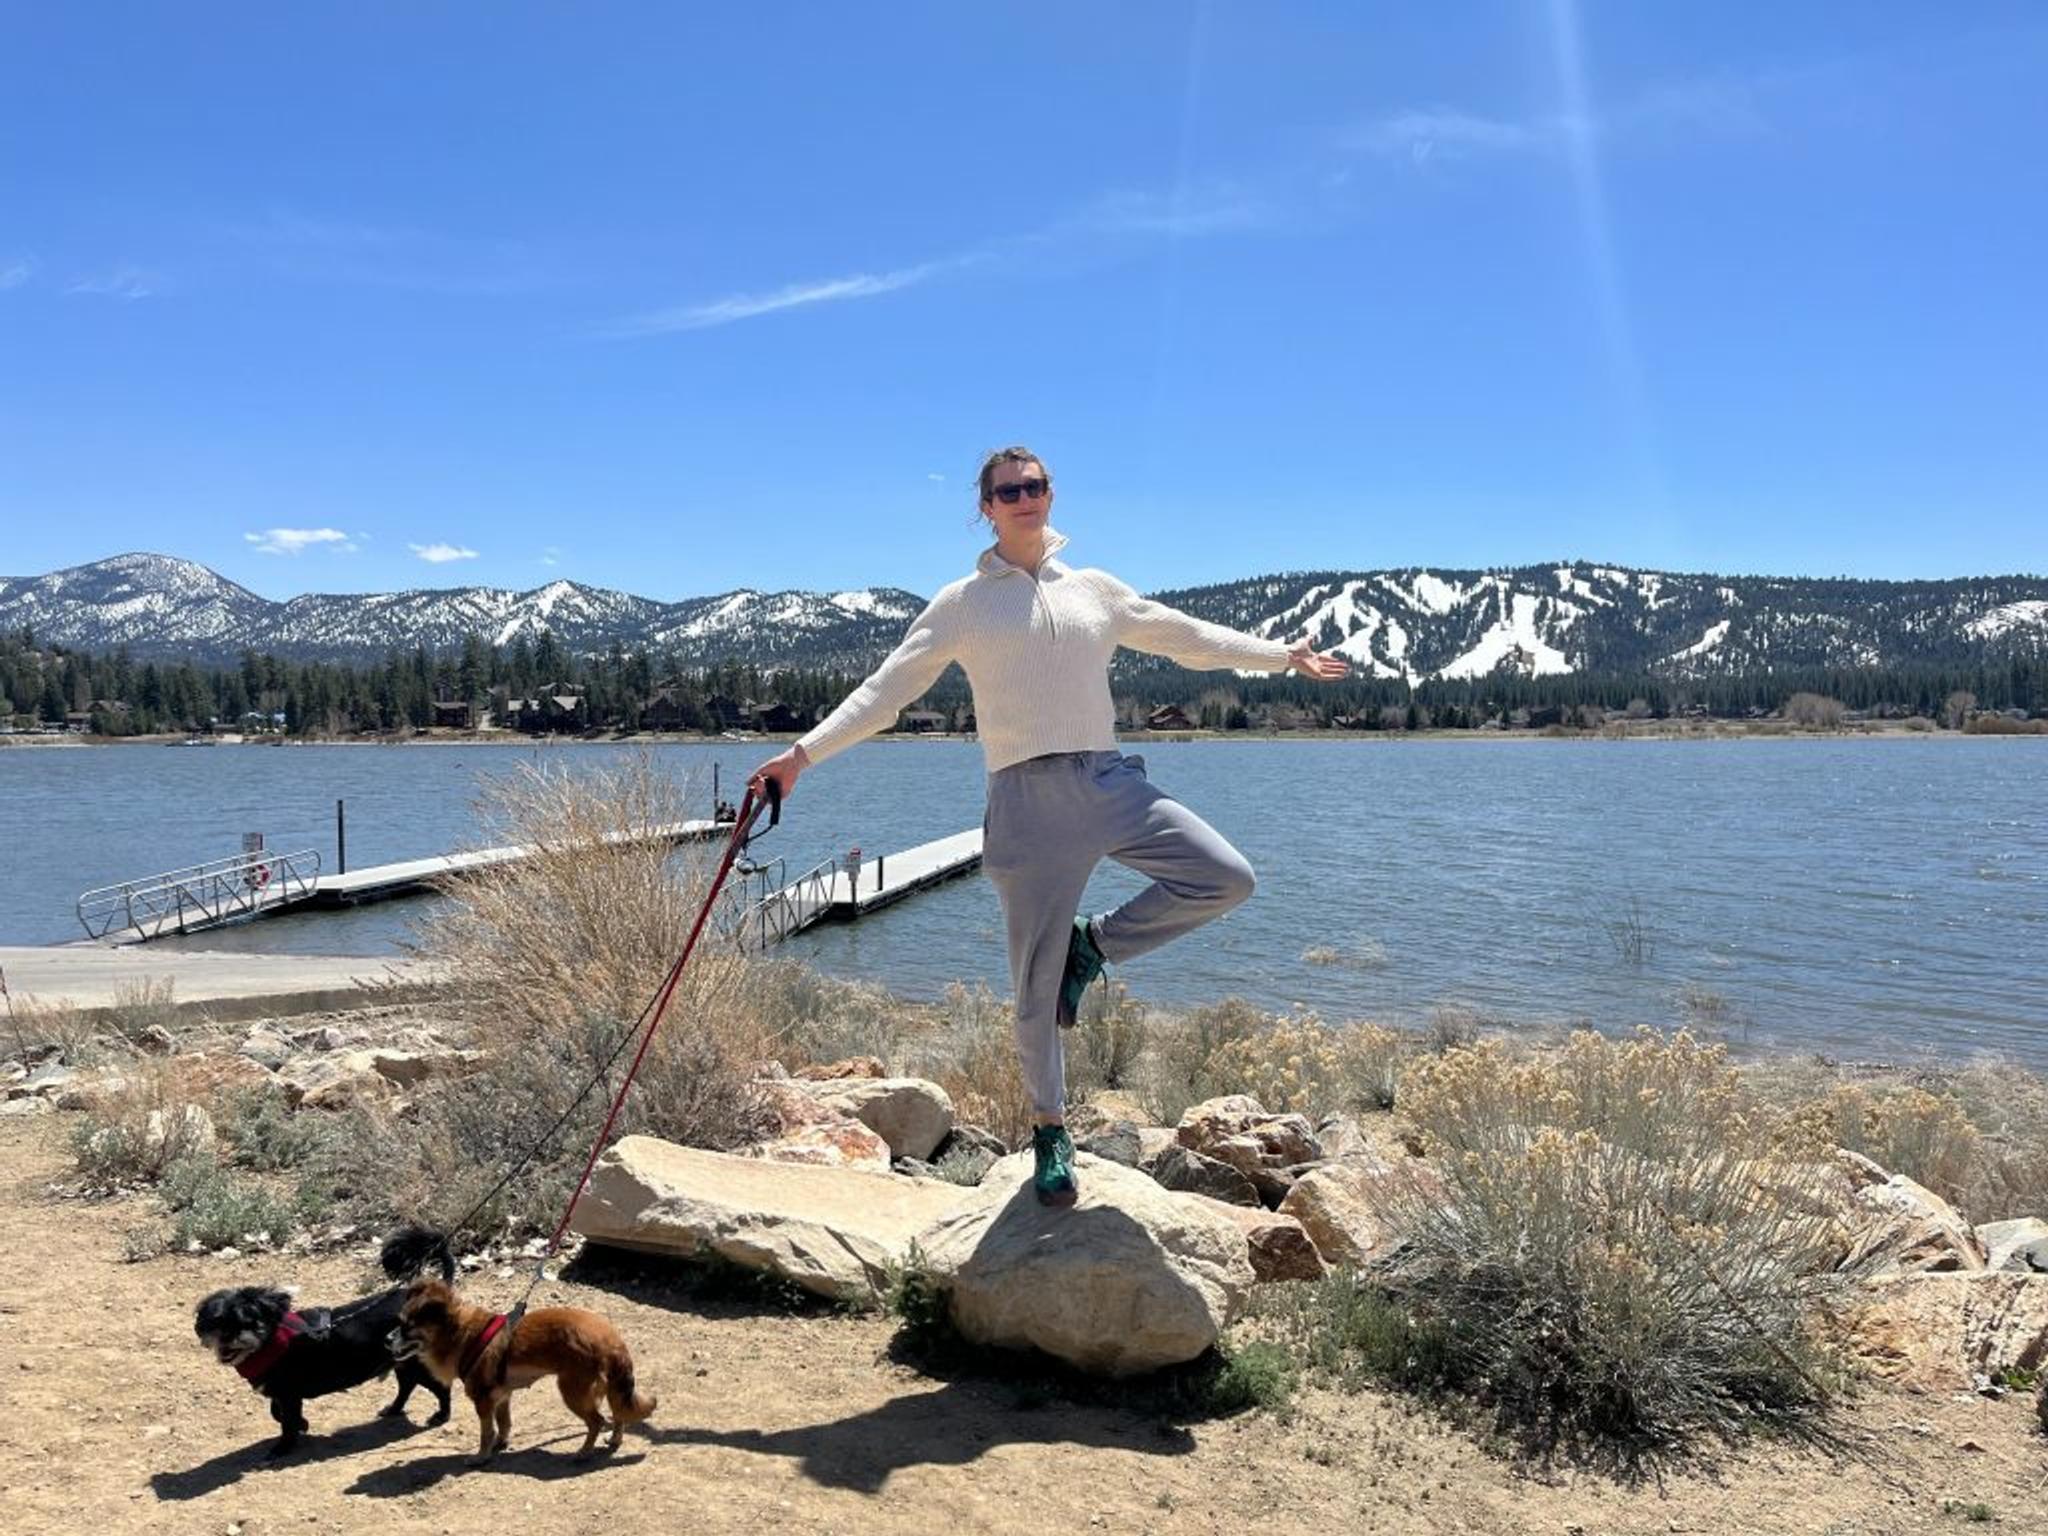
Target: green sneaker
x,y
1053,1177
1084,964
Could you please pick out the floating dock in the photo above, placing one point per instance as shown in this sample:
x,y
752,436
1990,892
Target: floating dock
x,y
770,910
265,883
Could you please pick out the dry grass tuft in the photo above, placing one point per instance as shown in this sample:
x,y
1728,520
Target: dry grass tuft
x,y
550,964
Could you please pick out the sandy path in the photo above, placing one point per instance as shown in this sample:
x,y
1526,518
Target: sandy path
x,y
113,1421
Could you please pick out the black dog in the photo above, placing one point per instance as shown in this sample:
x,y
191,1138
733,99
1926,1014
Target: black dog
x,y
290,1355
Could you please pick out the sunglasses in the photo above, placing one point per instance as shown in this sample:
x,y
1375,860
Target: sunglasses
x,y
1010,495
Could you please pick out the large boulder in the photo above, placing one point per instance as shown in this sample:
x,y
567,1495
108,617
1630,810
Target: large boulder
x,y
910,1114
834,1231
1904,1229
1955,1331
2021,1245
1279,1245
1340,1206
1127,1280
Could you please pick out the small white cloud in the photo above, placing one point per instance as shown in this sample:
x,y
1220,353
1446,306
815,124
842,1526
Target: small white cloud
x,y
441,554
934,477
551,555
1444,132
292,541
16,272
122,283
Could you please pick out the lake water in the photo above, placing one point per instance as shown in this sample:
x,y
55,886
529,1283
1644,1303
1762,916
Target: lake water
x,y
1862,898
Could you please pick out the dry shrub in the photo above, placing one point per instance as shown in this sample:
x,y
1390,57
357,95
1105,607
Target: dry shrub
x,y
809,1017
1597,1250
970,1050
1176,1073
1301,1066
134,1133
1976,1136
1108,1039
550,963
1925,1136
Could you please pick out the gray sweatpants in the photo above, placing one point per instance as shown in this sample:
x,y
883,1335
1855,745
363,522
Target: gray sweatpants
x,y
1050,821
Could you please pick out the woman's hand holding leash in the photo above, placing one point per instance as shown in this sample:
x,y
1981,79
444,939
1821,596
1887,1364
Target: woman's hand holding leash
x,y
1311,663
783,768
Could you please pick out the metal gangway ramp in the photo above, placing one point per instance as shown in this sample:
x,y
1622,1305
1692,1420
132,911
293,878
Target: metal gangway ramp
x,y
201,896
764,909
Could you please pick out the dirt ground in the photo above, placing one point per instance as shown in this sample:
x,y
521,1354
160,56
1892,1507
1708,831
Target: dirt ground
x,y
112,1420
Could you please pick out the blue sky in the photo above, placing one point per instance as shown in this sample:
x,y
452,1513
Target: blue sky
x,y
680,299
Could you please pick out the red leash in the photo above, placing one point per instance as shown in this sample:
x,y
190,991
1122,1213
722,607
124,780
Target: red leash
x,y
750,810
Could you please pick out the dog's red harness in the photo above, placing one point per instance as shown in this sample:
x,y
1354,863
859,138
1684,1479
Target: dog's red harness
x,y
255,1367
483,1342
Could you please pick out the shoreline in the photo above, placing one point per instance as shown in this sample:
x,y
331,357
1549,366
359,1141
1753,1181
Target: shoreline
x,y
1717,731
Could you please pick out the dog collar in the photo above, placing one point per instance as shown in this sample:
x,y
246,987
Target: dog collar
x,y
483,1342
255,1367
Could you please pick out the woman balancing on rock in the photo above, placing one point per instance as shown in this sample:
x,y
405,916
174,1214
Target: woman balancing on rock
x,y
1035,636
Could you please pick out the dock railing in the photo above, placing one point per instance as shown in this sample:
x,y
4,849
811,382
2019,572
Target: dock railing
x,y
201,896
770,910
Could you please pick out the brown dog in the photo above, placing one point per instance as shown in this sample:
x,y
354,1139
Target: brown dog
x,y
585,1353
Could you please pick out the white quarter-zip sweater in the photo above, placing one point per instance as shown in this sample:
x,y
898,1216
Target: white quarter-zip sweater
x,y
1036,652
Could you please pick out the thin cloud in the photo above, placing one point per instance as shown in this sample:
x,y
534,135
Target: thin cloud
x,y
1184,215
745,306
15,273
1179,216
1420,135
292,541
123,282
934,476
441,554
551,555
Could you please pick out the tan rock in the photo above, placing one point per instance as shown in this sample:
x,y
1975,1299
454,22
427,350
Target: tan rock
x,y
1339,1207
833,1231
335,1081
910,1114
1948,1332
1902,1228
1279,1245
852,1066
1153,1140
1127,1280
2020,1245
1261,1146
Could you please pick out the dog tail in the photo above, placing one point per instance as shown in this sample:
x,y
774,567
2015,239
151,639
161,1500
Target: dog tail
x,y
412,1249
629,1404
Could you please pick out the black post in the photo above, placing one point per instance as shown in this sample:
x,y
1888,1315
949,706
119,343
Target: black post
x,y
341,836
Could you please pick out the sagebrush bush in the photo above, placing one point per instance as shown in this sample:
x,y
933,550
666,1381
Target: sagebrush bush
x,y
1600,1247
1108,1039
1175,1074
212,1208
134,1133
1302,1066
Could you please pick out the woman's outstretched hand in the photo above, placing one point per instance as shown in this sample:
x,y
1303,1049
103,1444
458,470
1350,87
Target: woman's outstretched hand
x,y
1312,663
783,769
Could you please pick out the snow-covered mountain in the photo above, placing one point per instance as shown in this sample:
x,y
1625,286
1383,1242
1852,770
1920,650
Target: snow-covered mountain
x,y
162,607
1542,620
1416,624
